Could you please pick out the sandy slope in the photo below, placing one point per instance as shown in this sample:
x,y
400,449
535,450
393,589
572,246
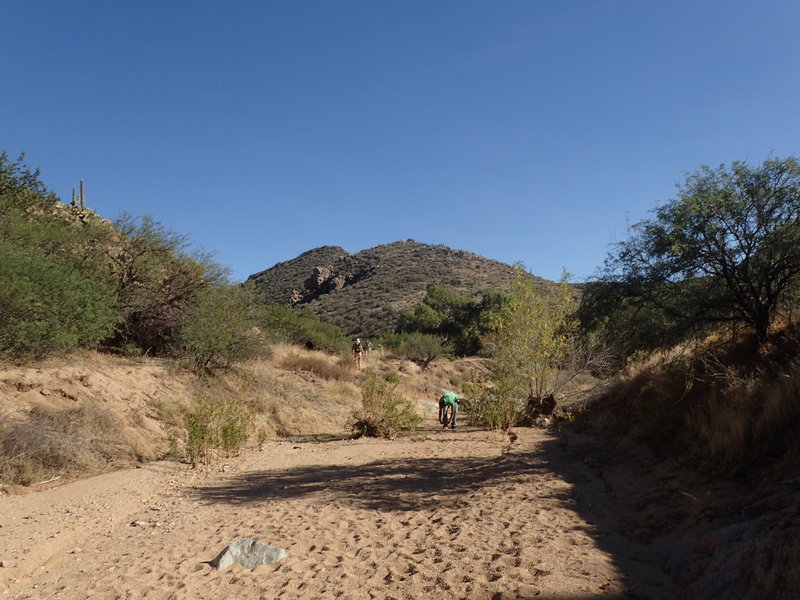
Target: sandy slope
x,y
448,514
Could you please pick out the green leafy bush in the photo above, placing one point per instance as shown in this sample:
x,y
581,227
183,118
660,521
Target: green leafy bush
x,y
459,319
69,280
281,324
217,425
535,352
385,412
421,348
47,307
53,296
158,282
220,327
495,411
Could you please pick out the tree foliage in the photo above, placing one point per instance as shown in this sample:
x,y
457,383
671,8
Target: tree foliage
x,y
421,348
726,249
282,324
71,280
460,321
531,342
21,190
158,281
626,325
221,326
47,307
51,298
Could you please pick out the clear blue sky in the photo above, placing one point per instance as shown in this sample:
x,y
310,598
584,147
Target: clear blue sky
x,y
527,131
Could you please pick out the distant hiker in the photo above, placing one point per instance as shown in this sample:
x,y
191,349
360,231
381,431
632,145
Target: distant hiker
x,y
448,409
358,352
368,346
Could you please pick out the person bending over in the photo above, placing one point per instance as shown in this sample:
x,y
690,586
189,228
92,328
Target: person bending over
x,y
448,409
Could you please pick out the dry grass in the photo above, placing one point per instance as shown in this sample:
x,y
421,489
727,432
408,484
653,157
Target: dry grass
x,y
78,416
299,401
167,411
81,441
728,408
748,420
326,366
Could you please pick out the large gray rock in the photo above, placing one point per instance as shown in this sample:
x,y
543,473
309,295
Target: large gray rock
x,y
249,554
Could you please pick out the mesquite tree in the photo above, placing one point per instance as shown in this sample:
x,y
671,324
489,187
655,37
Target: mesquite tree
x,y
727,249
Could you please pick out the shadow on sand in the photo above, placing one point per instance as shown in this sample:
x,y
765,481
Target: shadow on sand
x,y
388,485
411,484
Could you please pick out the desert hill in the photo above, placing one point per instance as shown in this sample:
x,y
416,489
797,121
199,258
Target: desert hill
x,y
365,293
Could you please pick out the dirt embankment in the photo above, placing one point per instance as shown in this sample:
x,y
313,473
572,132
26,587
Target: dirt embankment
x,y
96,413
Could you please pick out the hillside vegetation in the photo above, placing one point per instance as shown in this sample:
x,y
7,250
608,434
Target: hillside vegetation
x,y
366,293
71,280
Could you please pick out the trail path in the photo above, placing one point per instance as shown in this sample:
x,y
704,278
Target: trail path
x,y
464,514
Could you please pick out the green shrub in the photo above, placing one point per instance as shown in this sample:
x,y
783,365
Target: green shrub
x,y
421,348
54,295
281,324
159,283
69,280
534,351
218,425
452,316
47,307
496,411
220,327
384,412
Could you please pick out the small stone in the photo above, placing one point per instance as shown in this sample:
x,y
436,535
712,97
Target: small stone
x,y
139,524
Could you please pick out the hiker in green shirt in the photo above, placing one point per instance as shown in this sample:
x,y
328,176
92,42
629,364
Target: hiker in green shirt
x,y
448,402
